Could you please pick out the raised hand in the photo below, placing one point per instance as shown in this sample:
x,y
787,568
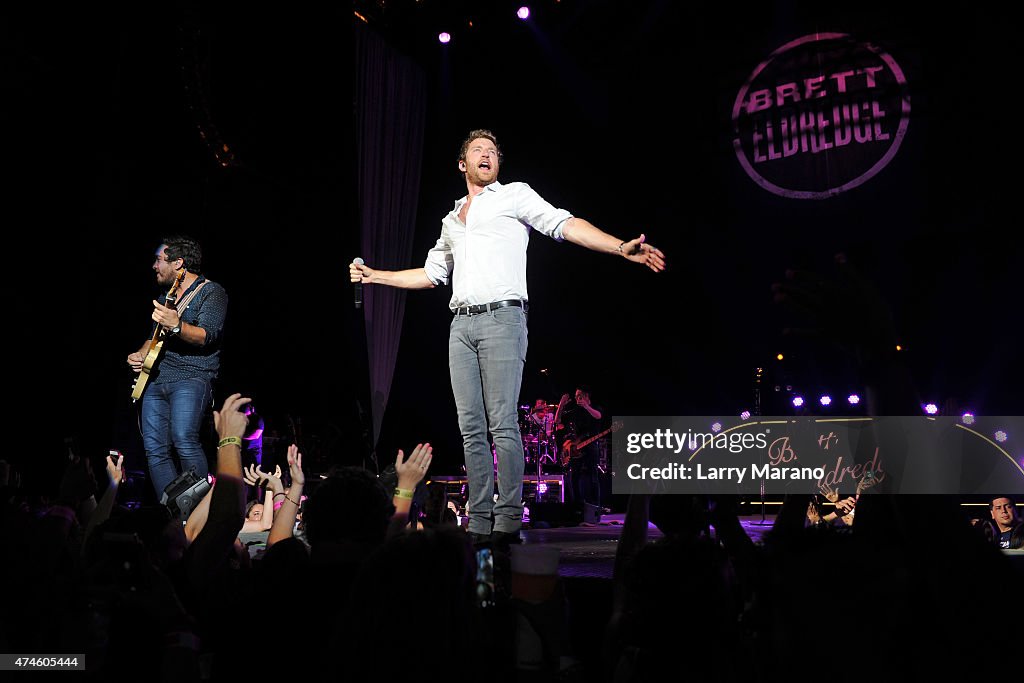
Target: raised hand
x,y
273,480
115,471
412,471
250,476
813,516
230,420
846,505
869,479
295,466
830,493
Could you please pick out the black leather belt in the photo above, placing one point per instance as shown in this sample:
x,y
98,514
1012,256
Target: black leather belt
x,y
484,308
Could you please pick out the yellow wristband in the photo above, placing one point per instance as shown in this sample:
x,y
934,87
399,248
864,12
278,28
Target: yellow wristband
x,y
403,493
230,441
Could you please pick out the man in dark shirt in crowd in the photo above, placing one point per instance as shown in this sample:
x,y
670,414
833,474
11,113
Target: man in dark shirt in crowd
x,y
1009,531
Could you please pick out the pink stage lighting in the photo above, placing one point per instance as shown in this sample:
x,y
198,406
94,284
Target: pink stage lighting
x,y
798,401
968,418
825,400
853,399
931,408
524,12
444,37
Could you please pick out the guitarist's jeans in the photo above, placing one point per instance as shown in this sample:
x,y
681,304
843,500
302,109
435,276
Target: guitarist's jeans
x,y
486,353
172,414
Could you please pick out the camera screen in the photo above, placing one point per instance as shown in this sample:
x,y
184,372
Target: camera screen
x,y
485,577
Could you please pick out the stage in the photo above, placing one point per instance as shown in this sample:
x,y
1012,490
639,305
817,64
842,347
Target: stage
x,y
588,550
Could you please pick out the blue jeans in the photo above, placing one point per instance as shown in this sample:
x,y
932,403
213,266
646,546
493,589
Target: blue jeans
x,y
486,354
172,413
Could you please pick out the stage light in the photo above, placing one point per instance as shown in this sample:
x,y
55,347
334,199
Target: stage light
x,y
745,415
717,427
931,408
798,401
899,347
968,418
779,357
1001,436
524,12
825,400
445,38
542,488
853,399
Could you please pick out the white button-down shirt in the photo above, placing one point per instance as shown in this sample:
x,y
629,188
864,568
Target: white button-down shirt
x,y
485,258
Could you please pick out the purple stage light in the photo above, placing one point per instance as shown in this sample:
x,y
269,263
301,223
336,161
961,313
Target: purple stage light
x,y
444,37
968,418
542,488
524,12
717,427
798,401
1001,436
853,399
825,400
745,415
931,408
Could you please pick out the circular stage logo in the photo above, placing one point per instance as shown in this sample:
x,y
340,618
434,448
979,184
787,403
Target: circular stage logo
x,y
823,114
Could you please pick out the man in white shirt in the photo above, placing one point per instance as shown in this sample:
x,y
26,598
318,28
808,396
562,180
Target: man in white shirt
x,y
482,253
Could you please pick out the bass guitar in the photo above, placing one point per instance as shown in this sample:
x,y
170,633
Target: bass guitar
x,y
574,449
156,344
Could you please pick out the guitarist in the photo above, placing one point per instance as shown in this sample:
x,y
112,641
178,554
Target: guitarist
x,y
178,395
576,421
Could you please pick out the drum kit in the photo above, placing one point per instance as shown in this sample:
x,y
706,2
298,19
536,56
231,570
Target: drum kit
x,y
539,434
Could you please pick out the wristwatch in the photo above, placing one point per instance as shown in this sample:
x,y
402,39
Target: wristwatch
x,y
176,329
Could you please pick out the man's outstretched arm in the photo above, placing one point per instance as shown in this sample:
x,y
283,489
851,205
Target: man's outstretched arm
x,y
586,234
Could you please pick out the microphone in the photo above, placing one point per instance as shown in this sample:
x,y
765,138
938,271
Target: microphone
x,y
358,289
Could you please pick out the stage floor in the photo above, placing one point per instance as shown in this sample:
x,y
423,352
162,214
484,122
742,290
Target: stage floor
x,y
588,550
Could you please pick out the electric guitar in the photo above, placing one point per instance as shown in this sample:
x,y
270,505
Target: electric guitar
x,y
574,449
155,344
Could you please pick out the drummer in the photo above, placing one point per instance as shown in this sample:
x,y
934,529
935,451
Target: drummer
x,y
542,417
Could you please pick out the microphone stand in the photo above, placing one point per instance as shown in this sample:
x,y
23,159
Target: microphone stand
x,y
757,411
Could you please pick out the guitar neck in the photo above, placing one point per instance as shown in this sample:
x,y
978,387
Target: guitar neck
x,y
592,439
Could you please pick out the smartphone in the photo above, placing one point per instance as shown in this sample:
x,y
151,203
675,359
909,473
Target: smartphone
x,y
485,577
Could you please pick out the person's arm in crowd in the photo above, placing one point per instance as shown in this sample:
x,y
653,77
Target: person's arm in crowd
x,y
284,519
115,474
197,518
227,501
410,473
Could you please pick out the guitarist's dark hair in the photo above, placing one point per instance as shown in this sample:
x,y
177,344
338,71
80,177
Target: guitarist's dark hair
x,y
187,249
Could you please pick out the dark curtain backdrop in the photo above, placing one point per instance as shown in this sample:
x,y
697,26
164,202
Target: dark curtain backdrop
x,y
390,111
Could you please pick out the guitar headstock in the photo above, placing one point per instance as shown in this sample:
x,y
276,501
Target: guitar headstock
x,y
170,297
